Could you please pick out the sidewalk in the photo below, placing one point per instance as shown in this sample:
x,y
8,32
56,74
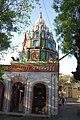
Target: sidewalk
x,y
69,111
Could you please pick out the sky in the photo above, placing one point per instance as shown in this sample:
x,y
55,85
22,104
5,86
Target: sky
x,y
67,64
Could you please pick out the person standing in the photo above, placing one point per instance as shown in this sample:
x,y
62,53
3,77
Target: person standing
x,y
62,99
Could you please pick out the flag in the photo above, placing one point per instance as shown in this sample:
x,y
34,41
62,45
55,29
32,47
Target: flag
x,y
24,43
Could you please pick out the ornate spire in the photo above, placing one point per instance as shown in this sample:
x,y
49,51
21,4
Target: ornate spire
x,y
40,15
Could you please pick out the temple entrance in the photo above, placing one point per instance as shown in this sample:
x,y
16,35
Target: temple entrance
x,y
39,99
17,97
1,95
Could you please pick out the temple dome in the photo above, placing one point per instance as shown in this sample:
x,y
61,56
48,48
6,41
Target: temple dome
x,y
40,21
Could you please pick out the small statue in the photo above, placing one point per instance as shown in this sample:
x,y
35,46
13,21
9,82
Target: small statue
x,y
17,59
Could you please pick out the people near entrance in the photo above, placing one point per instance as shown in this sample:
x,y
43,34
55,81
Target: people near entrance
x,y
43,109
61,99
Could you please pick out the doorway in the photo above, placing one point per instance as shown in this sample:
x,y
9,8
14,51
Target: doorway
x,y
1,95
17,97
39,99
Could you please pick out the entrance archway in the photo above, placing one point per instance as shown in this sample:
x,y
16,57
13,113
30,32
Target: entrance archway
x,y
17,97
1,95
39,99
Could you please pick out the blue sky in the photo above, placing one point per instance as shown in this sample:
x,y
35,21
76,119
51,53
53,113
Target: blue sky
x,y
68,64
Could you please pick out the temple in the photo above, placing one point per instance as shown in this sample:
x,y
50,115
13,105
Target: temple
x,y
30,84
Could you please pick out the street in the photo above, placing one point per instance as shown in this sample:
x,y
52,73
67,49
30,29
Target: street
x,y
69,111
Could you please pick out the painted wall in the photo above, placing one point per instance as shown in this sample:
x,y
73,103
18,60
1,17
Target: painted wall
x,y
29,79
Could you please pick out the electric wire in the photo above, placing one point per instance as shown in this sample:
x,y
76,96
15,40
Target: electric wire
x,y
47,15
39,10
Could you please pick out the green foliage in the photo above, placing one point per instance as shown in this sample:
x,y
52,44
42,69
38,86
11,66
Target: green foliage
x,y
1,71
67,22
64,78
14,15
67,79
73,80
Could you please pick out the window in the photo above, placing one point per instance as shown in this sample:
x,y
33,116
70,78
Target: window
x,y
79,88
36,34
34,56
47,34
35,43
49,45
50,56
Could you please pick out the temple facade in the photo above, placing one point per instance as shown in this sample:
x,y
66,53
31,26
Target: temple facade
x,y
30,84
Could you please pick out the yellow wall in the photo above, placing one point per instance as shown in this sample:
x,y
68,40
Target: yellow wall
x,y
72,91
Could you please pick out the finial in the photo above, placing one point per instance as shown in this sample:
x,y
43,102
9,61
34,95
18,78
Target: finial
x,y
40,15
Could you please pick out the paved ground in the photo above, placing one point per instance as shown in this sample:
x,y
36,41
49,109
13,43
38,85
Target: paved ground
x,y
69,111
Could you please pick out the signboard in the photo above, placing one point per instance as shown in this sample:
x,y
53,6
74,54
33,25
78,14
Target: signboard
x,y
31,68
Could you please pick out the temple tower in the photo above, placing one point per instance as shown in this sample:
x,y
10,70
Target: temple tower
x,y
30,84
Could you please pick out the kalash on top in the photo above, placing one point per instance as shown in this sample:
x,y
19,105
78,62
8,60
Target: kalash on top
x,y
39,45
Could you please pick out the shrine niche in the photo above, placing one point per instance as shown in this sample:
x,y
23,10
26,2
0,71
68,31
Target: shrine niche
x,y
50,46
35,43
37,33
35,55
17,97
39,98
50,56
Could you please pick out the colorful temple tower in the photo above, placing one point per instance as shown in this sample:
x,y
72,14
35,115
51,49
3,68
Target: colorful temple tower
x,y
30,84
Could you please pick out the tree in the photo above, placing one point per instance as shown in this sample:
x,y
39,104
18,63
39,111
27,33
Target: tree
x,y
67,27
13,15
1,72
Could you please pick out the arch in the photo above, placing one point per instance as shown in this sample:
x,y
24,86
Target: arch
x,y
35,56
50,56
18,78
50,45
36,33
17,97
2,88
35,43
39,98
47,35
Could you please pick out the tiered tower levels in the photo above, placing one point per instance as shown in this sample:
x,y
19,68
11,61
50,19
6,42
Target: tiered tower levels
x,y
38,45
